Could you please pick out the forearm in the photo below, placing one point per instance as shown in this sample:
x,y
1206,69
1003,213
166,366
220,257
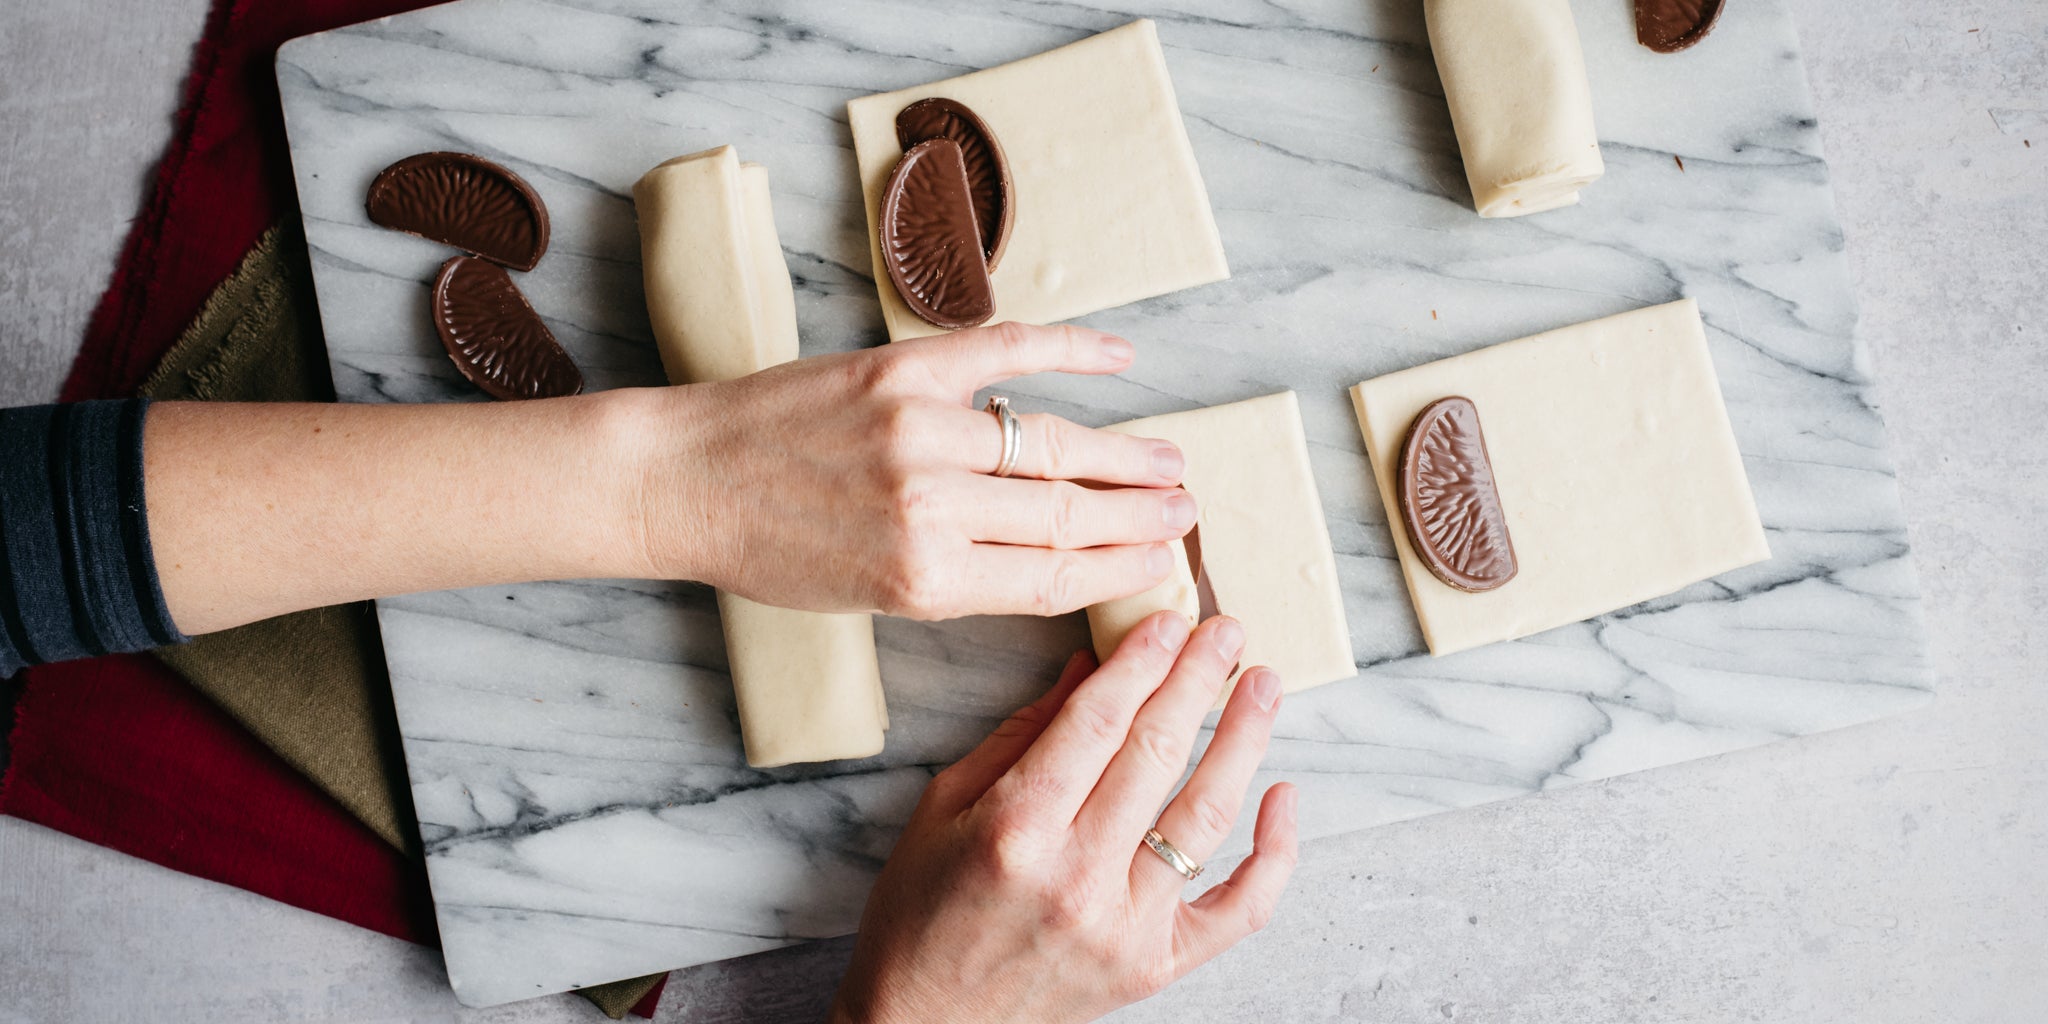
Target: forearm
x,y
258,510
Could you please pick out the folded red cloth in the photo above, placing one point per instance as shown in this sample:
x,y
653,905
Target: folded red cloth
x,y
120,751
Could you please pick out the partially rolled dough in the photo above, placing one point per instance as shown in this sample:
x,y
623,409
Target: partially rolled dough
x,y
1265,547
1110,621
1616,466
1515,79
1110,205
807,684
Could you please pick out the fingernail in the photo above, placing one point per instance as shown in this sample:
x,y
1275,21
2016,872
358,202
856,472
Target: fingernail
x,y
1117,350
1173,631
1168,463
1179,510
1289,801
1265,688
1228,637
1158,561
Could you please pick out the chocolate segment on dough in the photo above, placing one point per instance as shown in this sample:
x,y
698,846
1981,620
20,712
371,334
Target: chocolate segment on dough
x,y
464,201
495,338
988,171
1449,501
930,241
1668,26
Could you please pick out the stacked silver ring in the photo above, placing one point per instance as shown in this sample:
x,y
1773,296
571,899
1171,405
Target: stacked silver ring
x,y
1013,434
1171,854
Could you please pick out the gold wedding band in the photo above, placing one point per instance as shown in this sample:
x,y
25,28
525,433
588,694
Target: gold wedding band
x,y
1013,434
1171,854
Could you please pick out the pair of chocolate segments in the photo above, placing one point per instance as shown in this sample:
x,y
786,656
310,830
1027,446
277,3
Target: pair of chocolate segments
x,y
490,331
946,213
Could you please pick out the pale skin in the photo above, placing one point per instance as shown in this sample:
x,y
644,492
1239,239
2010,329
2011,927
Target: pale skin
x,y
860,481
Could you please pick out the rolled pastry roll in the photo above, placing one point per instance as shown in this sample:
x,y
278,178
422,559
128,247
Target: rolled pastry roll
x,y
719,297
1516,83
1110,621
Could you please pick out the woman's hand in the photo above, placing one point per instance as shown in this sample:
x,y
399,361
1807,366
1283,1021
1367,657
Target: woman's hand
x,y
1020,891
862,481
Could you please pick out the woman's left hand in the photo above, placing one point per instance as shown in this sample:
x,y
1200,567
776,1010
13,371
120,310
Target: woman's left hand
x,y
1020,890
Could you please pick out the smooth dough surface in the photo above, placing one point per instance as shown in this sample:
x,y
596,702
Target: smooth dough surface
x,y
807,685
1616,465
1265,547
1110,207
1515,79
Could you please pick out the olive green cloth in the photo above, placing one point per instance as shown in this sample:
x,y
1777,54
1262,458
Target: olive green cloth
x,y
311,686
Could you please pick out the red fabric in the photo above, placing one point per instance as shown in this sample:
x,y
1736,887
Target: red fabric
x,y
645,1007
225,178
120,751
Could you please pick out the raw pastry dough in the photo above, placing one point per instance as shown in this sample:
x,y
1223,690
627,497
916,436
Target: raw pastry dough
x,y
1110,205
1109,621
719,297
1516,83
1616,466
1265,547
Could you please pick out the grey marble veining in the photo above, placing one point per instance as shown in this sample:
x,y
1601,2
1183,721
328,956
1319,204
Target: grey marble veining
x,y
573,751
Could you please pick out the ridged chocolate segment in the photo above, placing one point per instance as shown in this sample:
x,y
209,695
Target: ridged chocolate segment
x,y
1668,26
464,201
930,243
988,171
495,338
1449,501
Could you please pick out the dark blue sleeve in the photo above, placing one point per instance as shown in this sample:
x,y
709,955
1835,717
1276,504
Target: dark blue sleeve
x,y
76,575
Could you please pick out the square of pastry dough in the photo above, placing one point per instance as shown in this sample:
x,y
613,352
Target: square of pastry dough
x,y
1265,549
1110,207
1616,467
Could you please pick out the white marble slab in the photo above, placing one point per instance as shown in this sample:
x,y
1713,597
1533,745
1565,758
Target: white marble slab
x,y
587,811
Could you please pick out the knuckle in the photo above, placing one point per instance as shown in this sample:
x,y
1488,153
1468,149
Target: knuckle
x,y
1054,444
916,584
894,372
1258,912
1012,336
1064,513
1009,847
1160,748
1057,590
1209,815
1071,908
900,427
1100,724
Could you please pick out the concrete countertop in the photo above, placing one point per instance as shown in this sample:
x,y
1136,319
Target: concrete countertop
x,y
1898,871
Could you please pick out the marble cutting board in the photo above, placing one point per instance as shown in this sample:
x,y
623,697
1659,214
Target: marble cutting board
x,y
586,811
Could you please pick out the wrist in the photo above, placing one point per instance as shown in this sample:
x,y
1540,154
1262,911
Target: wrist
x,y
651,483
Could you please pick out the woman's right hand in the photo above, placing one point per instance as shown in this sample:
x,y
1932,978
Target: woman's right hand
x,y
864,481
1020,891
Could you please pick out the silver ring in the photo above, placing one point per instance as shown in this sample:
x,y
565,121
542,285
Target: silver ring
x,y
1171,854
1013,434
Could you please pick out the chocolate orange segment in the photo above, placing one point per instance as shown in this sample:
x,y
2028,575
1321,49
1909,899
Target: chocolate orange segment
x,y
495,338
931,245
464,201
1668,26
1449,501
988,171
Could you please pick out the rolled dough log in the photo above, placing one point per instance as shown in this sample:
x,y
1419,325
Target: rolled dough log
x,y
1615,461
1265,547
719,297
1515,79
